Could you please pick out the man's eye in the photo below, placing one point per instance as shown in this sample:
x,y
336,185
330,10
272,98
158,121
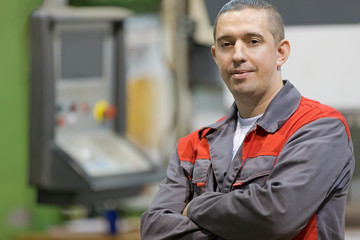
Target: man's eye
x,y
254,41
225,44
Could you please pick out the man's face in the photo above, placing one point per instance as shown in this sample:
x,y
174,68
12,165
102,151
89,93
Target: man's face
x,y
246,54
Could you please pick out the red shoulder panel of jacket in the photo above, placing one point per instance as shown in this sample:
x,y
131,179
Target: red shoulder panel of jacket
x,y
330,112
192,147
263,143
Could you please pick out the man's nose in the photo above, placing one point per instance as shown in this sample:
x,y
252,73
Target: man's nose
x,y
239,54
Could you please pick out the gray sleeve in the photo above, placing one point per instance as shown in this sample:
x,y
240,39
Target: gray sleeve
x,y
317,159
163,219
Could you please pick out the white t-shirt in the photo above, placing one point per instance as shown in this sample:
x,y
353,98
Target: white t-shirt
x,y
242,128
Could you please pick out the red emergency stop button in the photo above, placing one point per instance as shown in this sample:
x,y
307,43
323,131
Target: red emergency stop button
x,y
110,112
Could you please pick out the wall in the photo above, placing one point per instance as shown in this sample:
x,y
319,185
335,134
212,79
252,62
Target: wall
x,y
18,209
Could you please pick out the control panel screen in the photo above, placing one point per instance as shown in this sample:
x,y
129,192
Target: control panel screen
x,y
81,54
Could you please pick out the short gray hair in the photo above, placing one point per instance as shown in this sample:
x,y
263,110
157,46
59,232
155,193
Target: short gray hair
x,y
276,23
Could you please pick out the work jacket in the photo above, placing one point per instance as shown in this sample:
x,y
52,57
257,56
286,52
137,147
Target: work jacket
x,y
288,180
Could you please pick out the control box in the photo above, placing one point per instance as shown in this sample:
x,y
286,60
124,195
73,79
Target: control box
x,y
78,149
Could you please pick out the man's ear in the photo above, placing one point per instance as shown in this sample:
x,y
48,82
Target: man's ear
x,y
283,50
213,53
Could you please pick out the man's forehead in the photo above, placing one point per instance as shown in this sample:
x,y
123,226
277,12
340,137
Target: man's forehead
x,y
245,18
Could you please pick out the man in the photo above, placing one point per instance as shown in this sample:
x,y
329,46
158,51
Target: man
x,y
278,166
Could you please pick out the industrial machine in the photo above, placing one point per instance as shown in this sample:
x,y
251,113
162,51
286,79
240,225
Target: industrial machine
x,y
79,152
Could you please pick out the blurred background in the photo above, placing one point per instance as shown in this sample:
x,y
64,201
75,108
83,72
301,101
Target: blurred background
x,y
95,93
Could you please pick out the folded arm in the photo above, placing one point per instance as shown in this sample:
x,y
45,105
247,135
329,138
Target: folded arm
x,y
314,162
164,219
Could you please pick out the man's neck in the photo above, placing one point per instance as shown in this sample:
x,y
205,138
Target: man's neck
x,y
253,106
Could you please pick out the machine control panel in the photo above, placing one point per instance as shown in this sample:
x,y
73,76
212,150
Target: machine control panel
x,y
79,151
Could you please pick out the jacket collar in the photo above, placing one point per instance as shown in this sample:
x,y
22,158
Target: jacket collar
x,y
280,108
231,115
277,113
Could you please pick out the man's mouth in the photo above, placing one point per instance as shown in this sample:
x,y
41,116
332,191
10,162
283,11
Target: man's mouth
x,y
240,73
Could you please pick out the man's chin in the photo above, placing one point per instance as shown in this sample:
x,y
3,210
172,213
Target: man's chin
x,y
243,93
